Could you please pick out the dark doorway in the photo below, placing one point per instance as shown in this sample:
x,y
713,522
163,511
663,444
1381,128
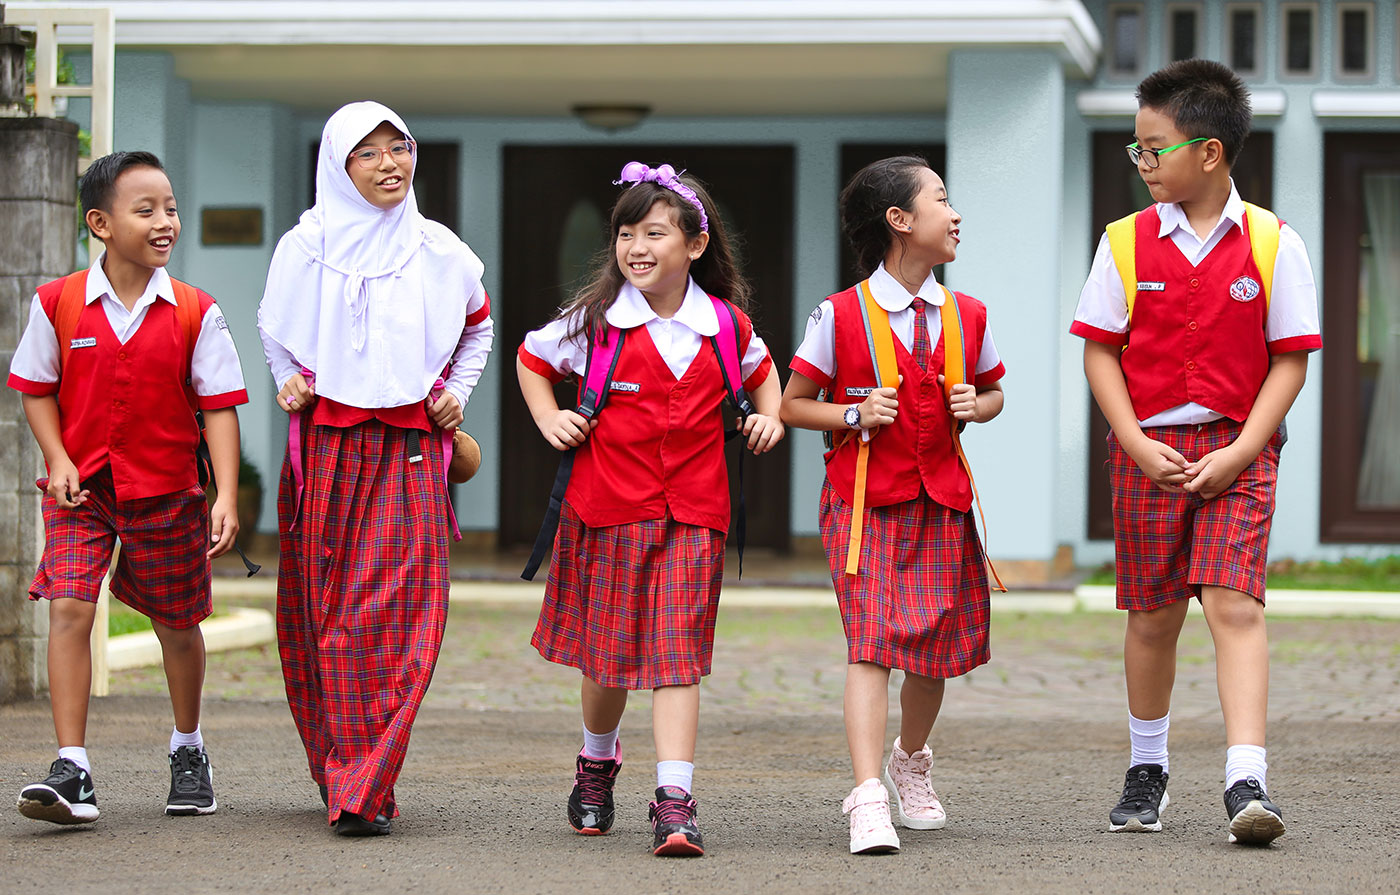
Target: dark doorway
x,y
1118,190
556,204
855,156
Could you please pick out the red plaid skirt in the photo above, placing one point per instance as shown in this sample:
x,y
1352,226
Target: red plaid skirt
x,y
920,602
162,572
632,605
1167,545
361,603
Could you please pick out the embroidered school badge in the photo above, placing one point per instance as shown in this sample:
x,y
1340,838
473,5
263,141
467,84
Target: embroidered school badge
x,y
1244,289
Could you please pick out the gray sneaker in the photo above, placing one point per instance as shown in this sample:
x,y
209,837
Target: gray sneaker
x,y
1144,796
191,783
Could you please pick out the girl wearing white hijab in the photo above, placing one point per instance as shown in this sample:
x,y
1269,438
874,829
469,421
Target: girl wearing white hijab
x,y
376,328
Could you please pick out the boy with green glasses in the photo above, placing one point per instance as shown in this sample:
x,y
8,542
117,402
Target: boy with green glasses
x,y
1198,316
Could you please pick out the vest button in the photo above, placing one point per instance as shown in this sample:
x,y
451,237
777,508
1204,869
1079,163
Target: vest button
x,y
1191,326
1195,282
1190,365
121,355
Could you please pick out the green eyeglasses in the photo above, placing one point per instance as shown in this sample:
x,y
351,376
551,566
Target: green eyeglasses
x,y
1153,155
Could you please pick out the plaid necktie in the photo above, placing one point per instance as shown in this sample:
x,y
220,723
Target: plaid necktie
x,y
923,351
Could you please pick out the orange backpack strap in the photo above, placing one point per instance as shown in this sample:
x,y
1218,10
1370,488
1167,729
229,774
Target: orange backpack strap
x,y
188,312
955,372
71,302
880,339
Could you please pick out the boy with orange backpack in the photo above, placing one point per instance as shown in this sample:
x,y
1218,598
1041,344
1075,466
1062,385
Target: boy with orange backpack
x,y
113,365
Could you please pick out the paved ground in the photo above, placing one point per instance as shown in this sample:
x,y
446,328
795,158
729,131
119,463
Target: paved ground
x,y
1028,758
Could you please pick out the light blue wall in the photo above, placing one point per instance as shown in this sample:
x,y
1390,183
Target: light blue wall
x,y
1006,145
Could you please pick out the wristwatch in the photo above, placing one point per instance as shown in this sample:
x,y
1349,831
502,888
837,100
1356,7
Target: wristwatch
x,y
852,416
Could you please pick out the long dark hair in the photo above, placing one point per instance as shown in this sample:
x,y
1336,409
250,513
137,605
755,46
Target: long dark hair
x,y
879,186
715,271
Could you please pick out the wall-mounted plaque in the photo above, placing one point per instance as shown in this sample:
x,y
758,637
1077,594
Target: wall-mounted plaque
x,y
231,226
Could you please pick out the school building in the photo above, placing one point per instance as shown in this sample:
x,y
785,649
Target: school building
x,y
527,109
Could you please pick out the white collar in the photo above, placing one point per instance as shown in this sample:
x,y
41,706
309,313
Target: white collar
x,y
696,312
1171,216
891,295
158,286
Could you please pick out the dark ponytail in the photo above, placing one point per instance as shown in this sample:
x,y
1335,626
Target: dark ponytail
x,y
879,186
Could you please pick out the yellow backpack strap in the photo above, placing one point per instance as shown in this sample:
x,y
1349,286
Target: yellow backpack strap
x,y
1263,244
1122,241
880,340
955,372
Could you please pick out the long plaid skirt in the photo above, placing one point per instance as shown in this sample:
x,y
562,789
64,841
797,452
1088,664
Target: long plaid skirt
x,y
920,602
361,604
632,605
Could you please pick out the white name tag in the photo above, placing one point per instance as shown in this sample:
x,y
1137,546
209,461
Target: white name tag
x,y
82,343
626,386
859,392
1151,287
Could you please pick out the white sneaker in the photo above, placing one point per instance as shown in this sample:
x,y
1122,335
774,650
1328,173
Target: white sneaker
x,y
907,776
869,808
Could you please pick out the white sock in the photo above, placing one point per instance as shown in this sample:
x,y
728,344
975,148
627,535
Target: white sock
x,y
600,745
675,773
1245,761
178,739
77,755
1149,739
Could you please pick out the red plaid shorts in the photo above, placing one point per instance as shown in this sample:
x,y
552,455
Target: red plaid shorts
x,y
162,572
920,602
1168,545
632,605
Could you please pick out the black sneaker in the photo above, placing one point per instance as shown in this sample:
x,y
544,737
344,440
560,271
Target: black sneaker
x,y
67,796
591,802
351,824
191,783
1144,797
673,824
1254,820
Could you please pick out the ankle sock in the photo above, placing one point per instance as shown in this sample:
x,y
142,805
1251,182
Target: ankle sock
x,y
600,745
76,754
675,773
1149,739
178,739
1245,761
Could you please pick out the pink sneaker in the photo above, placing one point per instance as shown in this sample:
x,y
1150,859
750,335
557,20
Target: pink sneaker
x,y
869,808
908,777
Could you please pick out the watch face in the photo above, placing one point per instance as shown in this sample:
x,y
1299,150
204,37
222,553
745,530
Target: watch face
x,y
853,417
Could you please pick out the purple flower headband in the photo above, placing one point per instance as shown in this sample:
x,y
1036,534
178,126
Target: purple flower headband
x,y
636,172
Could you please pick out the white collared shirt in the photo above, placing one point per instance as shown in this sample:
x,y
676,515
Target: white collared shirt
x,y
677,339
818,346
214,367
1292,302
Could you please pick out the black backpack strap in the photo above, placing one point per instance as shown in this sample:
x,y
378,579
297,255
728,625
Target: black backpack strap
x,y
593,393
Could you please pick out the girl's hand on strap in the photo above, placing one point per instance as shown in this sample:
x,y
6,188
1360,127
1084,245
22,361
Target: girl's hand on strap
x,y
879,408
566,429
445,412
764,432
296,395
962,401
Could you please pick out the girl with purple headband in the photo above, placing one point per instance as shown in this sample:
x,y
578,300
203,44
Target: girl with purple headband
x,y
639,555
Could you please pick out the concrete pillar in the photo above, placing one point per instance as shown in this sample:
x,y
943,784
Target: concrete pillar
x,y
38,227
1006,143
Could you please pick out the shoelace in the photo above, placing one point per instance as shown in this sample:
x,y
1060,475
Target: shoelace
x,y
62,771
867,817
675,811
187,763
594,787
1141,788
913,773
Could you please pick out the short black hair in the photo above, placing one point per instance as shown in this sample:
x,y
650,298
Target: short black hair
x,y
1204,98
100,181
879,186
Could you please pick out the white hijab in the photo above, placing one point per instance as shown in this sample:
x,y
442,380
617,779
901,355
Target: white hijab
x,y
373,302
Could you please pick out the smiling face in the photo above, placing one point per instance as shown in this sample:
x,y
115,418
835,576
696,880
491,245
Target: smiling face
x,y
655,255
141,224
929,229
385,183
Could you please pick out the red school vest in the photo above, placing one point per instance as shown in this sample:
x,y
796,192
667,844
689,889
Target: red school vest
x,y
659,445
917,451
1197,333
129,406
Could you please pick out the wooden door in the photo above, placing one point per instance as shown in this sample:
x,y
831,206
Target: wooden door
x,y
555,221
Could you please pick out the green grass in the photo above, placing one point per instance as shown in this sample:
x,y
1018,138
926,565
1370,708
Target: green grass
x,y
121,620
1348,574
